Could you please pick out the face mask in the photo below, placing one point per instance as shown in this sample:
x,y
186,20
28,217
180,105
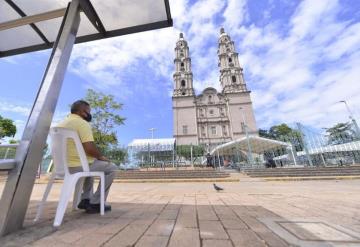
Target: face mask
x,y
88,117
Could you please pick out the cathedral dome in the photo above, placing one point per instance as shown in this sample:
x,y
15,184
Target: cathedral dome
x,y
209,90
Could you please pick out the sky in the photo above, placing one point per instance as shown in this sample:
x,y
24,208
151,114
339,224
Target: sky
x,y
299,59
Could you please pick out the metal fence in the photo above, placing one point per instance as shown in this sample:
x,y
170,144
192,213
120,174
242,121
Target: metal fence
x,y
7,151
335,148
320,148
305,146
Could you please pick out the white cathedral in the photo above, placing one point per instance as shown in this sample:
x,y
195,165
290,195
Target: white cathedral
x,y
212,117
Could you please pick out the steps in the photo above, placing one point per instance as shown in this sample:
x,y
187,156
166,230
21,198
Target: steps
x,y
171,174
304,172
163,176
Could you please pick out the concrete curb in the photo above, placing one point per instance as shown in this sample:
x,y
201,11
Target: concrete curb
x,y
309,178
175,180
45,181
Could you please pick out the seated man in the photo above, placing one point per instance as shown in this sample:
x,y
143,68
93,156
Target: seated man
x,y
79,120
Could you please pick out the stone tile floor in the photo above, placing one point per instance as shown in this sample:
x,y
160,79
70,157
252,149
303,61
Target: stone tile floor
x,y
247,213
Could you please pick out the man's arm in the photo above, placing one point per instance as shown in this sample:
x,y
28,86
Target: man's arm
x,y
91,150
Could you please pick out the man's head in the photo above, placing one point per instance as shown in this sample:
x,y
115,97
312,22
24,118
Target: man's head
x,y
81,108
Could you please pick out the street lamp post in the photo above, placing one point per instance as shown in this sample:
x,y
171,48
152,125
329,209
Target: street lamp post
x,y
357,130
251,161
152,132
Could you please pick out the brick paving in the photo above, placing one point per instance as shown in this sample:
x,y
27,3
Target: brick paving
x,y
247,213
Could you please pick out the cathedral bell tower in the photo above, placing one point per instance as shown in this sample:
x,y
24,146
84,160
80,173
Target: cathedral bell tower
x,y
184,108
231,73
183,77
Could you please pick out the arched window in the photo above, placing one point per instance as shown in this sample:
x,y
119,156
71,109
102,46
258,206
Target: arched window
x,y
230,60
210,98
233,78
183,83
182,64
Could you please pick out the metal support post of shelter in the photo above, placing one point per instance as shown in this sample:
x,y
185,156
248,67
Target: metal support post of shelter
x,y
292,152
323,159
23,169
18,188
305,145
250,157
244,125
356,126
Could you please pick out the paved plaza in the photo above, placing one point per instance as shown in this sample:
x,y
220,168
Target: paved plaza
x,y
251,212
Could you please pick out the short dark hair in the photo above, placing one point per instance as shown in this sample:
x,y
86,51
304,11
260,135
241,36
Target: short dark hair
x,y
77,105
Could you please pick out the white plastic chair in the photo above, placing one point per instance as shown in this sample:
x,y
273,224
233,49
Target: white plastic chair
x,y
59,137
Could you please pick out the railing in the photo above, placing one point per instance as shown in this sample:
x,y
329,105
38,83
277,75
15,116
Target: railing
x,y
5,163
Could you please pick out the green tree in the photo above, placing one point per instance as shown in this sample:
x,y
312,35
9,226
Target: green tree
x,y
340,133
117,155
105,118
185,151
283,132
7,127
264,133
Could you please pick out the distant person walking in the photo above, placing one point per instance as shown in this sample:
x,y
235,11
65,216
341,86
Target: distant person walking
x,y
209,160
79,120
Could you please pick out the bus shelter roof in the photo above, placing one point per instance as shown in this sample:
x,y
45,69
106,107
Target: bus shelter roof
x,y
257,145
27,26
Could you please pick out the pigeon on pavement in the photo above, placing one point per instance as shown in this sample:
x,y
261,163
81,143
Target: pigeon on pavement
x,y
217,188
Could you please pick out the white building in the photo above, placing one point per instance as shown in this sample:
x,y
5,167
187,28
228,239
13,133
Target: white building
x,y
212,117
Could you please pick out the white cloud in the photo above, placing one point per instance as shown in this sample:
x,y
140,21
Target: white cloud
x,y
234,14
205,10
106,61
299,76
348,40
9,107
19,113
309,15
295,75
